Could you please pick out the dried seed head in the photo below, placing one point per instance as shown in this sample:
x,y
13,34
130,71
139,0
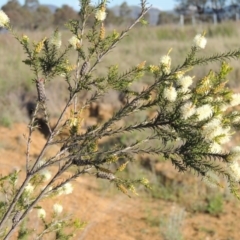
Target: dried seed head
x,y
39,45
122,167
105,175
80,162
122,188
16,217
111,159
141,65
85,68
102,32
41,90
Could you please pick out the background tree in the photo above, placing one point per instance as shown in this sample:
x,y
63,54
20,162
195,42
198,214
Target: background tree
x,y
20,17
43,18
112,19
125,13
167,18
124,10
63,14
218,4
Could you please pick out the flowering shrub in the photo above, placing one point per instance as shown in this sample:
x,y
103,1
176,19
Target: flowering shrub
x,y
193,120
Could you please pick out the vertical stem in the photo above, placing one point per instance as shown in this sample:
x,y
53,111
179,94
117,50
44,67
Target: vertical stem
x,y
47,118
31,129
17,196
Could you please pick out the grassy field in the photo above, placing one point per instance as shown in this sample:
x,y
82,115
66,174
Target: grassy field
x,y
142,44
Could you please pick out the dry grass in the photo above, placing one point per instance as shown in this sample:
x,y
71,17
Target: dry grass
x,y
143,43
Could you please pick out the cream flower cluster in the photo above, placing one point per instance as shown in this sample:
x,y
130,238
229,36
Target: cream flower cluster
x,y
234,165
185,82
234,154
100,15
29,188
235,99
187,110
217,134
57,208
165,62
66,189
46,174
199,41
215,147
56,40
170,94
235,170
205,111
74,42
41,213
4,19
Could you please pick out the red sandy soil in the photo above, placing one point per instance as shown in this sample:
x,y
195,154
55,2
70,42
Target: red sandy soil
x,y
111,215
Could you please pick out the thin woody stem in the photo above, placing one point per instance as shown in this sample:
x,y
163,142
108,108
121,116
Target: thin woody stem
x,y
31,129
19,193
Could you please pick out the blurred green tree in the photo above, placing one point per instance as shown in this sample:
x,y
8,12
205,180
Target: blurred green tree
x,y
20,17
125,14
43,18
63,14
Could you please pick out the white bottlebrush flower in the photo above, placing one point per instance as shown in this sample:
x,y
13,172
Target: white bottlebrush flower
x,y
235,170
66,189
4,19
185,82
187,110
46,174
165,61
41,213
40,163
170,94
225,136
204,111
186,96
224,107
100,15
199,41
235,99
57,208
179,74
236,119
234,154
29,188
215,147
74,42
56,39
212,129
